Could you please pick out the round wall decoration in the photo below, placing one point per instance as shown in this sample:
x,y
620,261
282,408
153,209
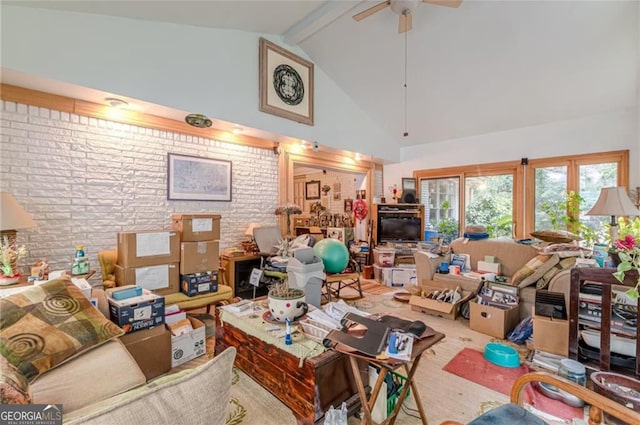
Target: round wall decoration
x,y
288,84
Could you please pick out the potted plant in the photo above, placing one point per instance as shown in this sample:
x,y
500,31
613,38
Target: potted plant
x,y
447,226
286,303
627,249
10,254
563,216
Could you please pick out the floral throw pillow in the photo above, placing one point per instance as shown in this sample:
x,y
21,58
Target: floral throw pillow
x,y
46,325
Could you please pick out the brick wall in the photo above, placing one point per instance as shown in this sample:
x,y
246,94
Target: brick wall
x,y
85,179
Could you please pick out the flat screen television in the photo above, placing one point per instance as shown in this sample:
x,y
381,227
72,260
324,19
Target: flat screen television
x,y
399,229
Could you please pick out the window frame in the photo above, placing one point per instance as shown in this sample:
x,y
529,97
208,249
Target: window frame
x,y
523,173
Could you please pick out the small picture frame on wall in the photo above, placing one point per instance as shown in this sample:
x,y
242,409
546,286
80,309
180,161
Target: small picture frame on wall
x,y
348,205
361,194
312,189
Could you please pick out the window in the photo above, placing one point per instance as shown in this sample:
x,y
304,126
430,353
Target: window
x,y
550,179
509,198
489,201
441,206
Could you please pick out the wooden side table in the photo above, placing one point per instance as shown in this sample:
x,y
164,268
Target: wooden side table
x,y
410,368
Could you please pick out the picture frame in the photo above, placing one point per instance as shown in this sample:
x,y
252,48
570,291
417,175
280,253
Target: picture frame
x,y
348,205
286,83
312,189
193,178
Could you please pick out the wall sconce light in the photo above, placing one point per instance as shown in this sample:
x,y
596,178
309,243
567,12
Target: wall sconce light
x,y
237,129
198,120
357,156
114,102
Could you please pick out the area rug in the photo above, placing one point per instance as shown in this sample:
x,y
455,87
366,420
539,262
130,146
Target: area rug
x,y
471,365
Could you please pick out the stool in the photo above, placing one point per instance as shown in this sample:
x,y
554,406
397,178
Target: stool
x,y
344,280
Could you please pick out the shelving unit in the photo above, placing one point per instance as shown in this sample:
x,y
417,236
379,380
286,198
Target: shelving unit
x,y
603,277
395,210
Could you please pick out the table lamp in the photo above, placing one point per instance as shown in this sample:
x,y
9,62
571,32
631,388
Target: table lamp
x,y
613,201
12,217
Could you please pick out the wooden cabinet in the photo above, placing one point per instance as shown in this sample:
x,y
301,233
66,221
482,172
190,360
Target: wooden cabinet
x,y
397,218
235,272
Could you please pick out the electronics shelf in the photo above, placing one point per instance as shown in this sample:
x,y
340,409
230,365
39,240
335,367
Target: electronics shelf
x,y
408,228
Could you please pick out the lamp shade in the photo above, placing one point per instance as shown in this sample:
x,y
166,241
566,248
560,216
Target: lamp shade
x,y
614,201
12,215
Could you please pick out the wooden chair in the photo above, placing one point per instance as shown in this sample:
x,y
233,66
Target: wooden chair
x,y
514,413
335,282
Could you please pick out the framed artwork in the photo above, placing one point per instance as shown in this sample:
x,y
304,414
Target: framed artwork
x,y
361,194
286,83
192,178
312,189
348,205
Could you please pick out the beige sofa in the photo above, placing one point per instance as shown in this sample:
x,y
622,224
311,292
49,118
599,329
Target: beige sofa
x,y
511,255
81,364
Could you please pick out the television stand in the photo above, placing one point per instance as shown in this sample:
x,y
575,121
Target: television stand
x,y
382,211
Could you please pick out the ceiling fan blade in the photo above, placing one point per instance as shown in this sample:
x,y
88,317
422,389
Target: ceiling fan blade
x,y
370,11
405,23
448,3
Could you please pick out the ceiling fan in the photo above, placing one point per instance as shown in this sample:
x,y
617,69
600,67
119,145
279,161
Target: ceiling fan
x,y
404,9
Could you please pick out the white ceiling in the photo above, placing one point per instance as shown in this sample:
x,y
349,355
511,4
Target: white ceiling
x,y
484,67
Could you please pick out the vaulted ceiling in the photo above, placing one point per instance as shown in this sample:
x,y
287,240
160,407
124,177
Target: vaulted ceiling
x,y
486,66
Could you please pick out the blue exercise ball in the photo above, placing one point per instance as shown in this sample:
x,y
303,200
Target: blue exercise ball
x,y
333,253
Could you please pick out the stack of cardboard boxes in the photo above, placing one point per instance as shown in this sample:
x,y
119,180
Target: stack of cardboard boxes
x,y
199,252
184,259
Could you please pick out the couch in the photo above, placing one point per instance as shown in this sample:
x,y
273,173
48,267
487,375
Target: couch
x,y
513,258
57,348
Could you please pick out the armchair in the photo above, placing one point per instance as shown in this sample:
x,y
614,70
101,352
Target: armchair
x,y
514,413
107,260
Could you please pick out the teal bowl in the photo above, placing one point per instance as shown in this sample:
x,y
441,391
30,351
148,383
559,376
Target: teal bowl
x,y
501,355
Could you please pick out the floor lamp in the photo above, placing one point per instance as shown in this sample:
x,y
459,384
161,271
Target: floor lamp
x,y
614,202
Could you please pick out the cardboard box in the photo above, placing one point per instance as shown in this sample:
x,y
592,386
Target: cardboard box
x,y
82,285
382,274
470,284
486,267
493,321
198,257
438,308
189,345
403,276
384,257
197,227
551,335
199,283
151,349
136,313
163,279
140,249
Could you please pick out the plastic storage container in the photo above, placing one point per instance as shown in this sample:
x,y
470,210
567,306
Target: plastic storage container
x,y
308,277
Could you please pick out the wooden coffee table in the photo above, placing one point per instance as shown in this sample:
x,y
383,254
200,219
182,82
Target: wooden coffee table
x,y
309,390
